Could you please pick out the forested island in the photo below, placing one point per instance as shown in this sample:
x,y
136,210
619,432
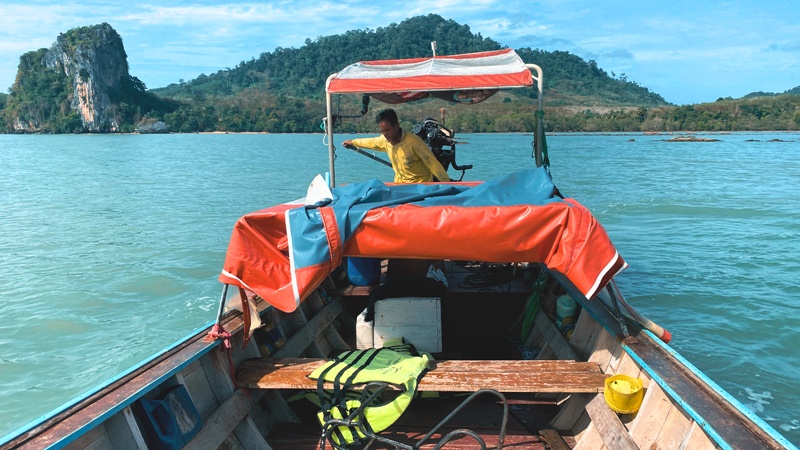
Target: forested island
x,y
81,84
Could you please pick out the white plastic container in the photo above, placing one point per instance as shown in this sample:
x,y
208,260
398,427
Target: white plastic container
x,y
364,332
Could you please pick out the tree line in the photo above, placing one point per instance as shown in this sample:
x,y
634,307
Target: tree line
x,y
283,92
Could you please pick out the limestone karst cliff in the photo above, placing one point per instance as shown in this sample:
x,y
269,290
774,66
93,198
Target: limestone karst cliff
x,y
95,62
80,84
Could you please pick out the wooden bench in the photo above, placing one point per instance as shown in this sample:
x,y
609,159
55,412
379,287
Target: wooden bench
x,y
445,376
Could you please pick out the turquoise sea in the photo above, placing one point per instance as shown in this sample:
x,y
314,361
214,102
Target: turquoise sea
x,y
110,245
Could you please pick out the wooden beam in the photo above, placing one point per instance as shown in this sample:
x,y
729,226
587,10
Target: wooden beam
x,y
217,371
612,431
553,439
306,335
222,422
446,376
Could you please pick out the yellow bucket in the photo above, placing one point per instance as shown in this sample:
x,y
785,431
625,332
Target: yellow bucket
x,y
623,393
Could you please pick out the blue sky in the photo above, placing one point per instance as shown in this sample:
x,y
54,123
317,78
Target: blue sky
x,y
687,51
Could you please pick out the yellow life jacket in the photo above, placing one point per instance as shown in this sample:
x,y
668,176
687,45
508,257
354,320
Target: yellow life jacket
x,y
392,365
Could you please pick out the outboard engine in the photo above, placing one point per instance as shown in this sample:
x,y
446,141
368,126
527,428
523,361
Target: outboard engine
x,y
441,141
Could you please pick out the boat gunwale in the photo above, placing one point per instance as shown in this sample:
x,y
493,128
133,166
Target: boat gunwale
x,y
700,379
56,417
601,312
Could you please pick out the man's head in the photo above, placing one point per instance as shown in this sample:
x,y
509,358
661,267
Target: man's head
x,y
389,125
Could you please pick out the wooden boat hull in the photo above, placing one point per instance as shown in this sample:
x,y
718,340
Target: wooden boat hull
x,y
510,370
681,408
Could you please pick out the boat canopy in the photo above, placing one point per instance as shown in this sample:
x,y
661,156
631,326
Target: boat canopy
x,y
285,252
465,78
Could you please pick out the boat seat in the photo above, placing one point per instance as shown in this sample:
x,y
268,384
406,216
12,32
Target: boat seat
x,y
446,376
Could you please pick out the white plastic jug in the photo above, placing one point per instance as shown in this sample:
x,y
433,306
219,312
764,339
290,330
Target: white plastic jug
x,y
364,329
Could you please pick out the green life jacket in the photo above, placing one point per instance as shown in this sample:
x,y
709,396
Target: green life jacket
x,y
392,365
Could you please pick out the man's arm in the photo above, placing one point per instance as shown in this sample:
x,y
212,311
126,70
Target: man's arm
x,y
376,143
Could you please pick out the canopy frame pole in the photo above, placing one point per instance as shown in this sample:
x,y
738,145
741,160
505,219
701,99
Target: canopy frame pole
x,y
539,134
222,301
218,331
617,312
329,132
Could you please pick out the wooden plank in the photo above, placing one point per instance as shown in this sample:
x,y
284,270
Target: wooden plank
x,y
587,436
651,416
553,337
519,382
553,439
612,431
697,439
279,407
628,366
320,348
585,433
569,414
330,334
134,427
124,431
300,321
215,365
304,366
249,436
222,422
447,376
197,384
585,332
306,335
604,349
676,427
535,338
516,366
355,291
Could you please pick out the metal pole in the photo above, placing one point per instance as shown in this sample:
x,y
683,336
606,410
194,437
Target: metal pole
x,y
329,132
538,142
617,311
368,155
222,299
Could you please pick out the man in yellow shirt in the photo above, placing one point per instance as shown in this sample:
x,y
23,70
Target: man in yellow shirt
x,y
412,160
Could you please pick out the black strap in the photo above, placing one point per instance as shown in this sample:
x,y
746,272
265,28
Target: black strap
x,y
340,391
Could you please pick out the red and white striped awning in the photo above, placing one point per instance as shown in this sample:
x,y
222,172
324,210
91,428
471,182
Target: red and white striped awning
x,y
500,69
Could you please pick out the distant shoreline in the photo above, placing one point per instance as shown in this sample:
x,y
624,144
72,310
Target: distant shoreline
x,y
550,133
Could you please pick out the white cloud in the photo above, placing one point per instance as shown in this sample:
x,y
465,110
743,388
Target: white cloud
x,y
655,44
197,15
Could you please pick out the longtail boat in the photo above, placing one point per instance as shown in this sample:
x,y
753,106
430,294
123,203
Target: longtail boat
x,y
434,315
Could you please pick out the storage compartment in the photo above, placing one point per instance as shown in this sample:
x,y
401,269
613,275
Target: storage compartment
x,y
418,320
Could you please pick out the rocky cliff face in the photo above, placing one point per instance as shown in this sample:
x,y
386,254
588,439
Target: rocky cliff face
x,y
94,59
91,64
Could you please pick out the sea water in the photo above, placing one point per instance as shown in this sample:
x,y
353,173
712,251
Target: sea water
x,y
110,245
